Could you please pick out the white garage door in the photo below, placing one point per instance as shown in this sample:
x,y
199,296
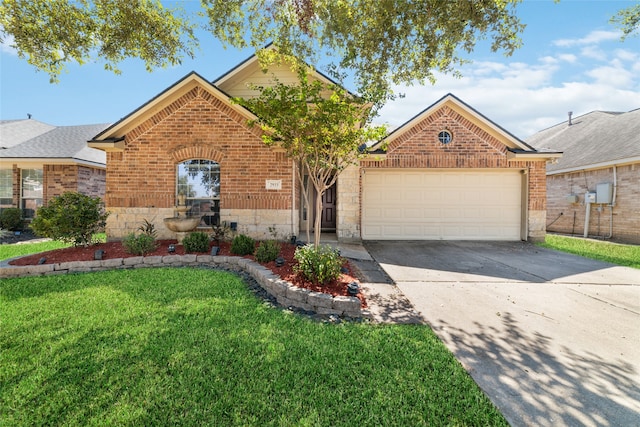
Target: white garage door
x,y
447,205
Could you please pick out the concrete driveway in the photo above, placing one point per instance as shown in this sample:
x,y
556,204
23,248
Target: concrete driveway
x,y
553,339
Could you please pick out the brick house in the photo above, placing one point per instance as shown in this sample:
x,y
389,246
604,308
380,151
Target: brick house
x,y
191,141
39,161
594,190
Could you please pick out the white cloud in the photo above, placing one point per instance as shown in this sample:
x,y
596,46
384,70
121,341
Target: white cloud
x,y
593,37
593,52
526,98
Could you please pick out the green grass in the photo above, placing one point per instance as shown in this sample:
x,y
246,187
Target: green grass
x,y
13,250
625,255
195,347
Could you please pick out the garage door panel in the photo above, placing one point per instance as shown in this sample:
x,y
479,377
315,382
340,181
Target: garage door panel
x,y
455,205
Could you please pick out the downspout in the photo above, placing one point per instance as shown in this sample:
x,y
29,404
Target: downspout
x,y
613,201
587,215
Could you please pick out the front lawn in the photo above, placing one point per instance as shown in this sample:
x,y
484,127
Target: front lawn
x,y
8,251
196,347
615,253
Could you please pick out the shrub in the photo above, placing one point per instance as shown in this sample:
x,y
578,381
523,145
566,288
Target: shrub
x,y
267,251
220,231
243,245
140,244
319,265
148,228
71,218
11,219
196,242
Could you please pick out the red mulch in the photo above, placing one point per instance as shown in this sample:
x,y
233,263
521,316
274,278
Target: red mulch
x,y
116,250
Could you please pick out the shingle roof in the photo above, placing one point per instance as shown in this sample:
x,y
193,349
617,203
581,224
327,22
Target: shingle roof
x,y
14,132
591,139
64,142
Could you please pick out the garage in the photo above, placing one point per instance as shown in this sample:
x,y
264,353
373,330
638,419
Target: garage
x,y
451,204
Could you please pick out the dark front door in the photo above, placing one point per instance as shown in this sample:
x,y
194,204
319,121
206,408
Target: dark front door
x,y
328,220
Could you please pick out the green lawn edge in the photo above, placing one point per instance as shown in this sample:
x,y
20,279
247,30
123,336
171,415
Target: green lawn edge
x,y
614,253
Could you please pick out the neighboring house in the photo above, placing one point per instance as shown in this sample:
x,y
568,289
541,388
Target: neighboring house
x,y
602,159
449,173
39,161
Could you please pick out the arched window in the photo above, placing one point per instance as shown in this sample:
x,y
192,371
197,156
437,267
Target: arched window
x,y
199,181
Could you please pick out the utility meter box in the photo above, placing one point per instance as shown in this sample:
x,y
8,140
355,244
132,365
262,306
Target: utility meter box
x,y
590,197
572,198
604,193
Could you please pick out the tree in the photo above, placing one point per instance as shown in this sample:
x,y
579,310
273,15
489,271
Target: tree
x,y
628,20
378,42
320,126
52,33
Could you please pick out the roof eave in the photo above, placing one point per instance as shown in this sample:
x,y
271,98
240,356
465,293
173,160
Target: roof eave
x,y
533,155
111,145
600,165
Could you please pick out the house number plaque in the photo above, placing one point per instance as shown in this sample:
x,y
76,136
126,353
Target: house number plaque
x,y
273,184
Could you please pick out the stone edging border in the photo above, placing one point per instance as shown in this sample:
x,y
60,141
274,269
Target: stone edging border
x,y
286,294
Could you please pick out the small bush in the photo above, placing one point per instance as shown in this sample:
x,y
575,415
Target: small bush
x,y
148,228
267,251
11,219
319,265
140,244
220,232
243,245
72,218
196,242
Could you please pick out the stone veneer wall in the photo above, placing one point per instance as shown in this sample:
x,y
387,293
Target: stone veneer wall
x,y
348,204
255,223
285,293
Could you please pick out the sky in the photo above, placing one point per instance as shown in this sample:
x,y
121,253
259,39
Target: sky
x,y
572,60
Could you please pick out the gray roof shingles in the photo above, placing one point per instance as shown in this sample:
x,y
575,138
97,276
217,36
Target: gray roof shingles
x,y
593,138
57,142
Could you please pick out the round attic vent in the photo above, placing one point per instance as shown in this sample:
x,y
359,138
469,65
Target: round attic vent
x,y
445,137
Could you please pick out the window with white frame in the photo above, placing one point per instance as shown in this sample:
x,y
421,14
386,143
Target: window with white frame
x,y
199,181
6,188
31,191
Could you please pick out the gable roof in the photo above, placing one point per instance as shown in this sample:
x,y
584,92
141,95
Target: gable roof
x,y
112,137
593,140
251,66
60,144
517,147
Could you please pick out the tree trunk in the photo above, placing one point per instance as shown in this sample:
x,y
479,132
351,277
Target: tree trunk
x,y
318,218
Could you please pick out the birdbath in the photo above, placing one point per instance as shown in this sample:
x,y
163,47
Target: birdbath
x,y
181,224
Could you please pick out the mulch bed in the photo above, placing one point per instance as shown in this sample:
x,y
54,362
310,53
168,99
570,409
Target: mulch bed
x,y
116,250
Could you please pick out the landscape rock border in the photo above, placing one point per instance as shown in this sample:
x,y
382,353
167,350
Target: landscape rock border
x,y
285,293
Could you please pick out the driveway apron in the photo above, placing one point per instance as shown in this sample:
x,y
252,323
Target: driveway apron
x,y
553,339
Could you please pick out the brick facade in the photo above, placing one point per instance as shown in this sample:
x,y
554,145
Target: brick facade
x,y
622,220
473,148
61,178
141,180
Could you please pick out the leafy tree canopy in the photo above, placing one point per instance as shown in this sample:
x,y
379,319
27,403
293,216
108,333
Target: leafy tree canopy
x,y
378,42
52,33
628,20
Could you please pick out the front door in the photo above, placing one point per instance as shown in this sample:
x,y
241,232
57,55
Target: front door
x,y
328,221
307,213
